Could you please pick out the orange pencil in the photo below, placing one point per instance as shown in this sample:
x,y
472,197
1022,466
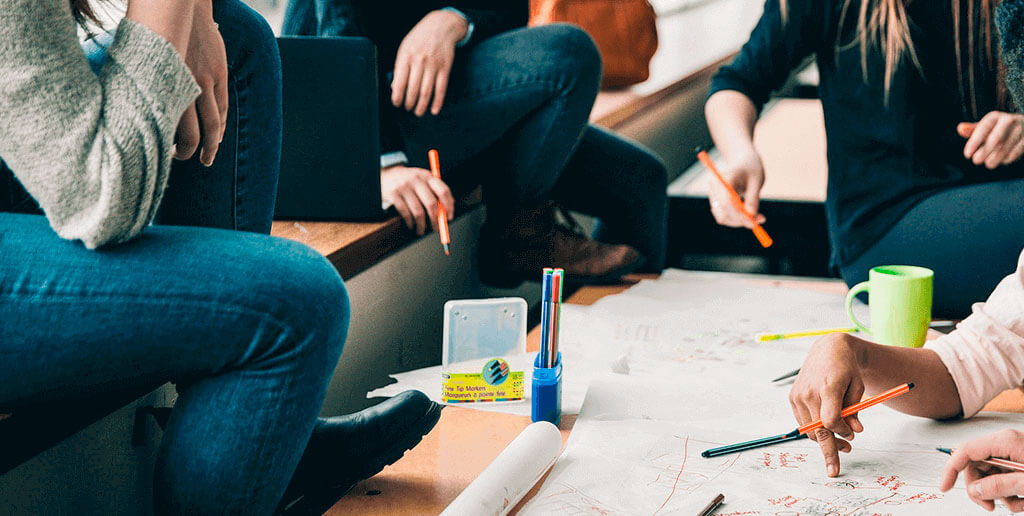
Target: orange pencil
x,y
857,407
442,214
759,232
966,129
801,432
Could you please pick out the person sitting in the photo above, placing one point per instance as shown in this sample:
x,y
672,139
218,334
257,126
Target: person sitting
x,y
95,302
899,79
506,107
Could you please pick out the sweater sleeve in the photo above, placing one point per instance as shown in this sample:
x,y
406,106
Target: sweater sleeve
x,y
985,354
94,151
775,48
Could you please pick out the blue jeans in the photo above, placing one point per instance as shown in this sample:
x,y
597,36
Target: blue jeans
x,y
971,236
248,326
515,119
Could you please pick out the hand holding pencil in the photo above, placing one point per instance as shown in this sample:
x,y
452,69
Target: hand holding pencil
x,y
992,468
728,208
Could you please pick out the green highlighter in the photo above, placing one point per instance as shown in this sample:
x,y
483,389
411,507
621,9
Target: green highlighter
x,y
900,298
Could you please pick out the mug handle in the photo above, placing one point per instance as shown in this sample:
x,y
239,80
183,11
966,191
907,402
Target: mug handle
x,y
863,286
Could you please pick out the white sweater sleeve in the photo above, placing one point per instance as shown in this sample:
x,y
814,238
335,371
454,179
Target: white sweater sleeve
x,y
985,354
93,151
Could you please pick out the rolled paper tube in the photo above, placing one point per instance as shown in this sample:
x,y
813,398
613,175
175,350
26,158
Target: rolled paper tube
x,y
512,474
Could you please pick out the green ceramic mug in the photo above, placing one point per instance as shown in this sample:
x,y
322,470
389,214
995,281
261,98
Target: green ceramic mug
x,y
900,297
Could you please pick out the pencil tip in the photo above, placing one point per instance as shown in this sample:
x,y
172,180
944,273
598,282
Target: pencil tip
x,y
705,454
910,385
947,451
446,253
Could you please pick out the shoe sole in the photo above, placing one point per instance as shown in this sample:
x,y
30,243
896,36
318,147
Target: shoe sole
x,y
317,505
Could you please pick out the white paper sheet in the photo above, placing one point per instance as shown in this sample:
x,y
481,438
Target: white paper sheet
x,y
684,323
635,449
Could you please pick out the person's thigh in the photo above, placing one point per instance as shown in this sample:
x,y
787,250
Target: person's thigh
x,y
175,304
970,236
239,190
625,186
501,83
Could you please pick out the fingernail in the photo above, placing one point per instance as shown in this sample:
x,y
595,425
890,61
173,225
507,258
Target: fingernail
x,y
832,469
976,487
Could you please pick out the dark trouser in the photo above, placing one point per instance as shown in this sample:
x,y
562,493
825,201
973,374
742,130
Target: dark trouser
x,y
515,119
250,327
970,236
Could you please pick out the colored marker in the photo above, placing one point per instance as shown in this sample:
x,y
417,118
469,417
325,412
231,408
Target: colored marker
x,y
787,375
1006,464
712,506
802,431
556,310
545,315
798,334
737,202
442,214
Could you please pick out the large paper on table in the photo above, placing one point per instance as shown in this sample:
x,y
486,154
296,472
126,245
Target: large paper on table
x,y
635,449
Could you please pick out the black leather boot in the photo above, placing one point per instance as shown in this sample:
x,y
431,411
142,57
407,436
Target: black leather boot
x,y
344,450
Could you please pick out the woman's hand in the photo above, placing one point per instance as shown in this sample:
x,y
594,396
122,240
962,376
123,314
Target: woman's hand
x,y
425,60
746,174
995,140
988,483
206,119
415,193
829,380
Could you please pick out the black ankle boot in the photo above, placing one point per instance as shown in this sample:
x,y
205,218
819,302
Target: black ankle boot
x,y
344,450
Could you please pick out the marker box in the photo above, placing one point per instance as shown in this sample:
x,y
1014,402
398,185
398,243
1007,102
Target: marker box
x,y
546,393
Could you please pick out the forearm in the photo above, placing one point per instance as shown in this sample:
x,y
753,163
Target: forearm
x,y
731,116
170,19
883,367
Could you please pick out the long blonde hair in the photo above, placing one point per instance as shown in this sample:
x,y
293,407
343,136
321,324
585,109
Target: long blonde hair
x,y
884,24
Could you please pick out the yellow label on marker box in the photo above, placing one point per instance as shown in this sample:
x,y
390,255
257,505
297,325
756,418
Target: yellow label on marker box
x,y
473,388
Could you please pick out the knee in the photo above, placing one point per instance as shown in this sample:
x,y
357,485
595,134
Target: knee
x,y
571,47
301,290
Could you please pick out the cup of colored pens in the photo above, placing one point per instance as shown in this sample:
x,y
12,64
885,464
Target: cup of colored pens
x,y
546,394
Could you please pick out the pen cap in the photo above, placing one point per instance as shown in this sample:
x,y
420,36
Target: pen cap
x,y
546,393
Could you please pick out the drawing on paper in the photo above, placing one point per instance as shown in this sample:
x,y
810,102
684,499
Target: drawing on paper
x,y
667,476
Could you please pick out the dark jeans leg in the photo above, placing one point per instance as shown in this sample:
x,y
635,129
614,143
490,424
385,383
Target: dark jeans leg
x,y
970,236
519,101
625,186
250,327
239,190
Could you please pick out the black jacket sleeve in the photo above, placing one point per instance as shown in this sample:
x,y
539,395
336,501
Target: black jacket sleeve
x,y
775,48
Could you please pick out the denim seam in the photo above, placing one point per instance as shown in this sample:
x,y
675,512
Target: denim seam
x,y
240,152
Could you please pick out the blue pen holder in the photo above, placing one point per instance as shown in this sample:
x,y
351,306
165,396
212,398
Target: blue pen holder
x,y
546,394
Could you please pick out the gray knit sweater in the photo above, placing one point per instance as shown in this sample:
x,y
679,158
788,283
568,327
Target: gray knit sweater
x,y
93,151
